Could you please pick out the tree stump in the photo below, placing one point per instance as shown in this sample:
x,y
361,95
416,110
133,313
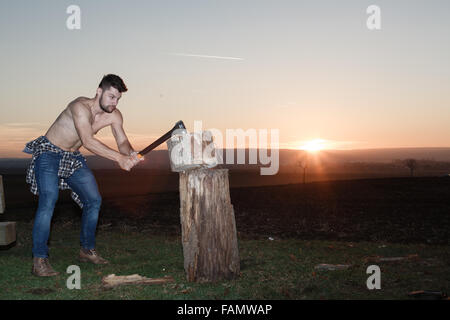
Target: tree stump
x,y
208,226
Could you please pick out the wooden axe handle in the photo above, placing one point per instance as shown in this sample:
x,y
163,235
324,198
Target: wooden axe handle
x,y
167,135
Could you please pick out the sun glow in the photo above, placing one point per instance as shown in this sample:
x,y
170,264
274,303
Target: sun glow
x,y
313,145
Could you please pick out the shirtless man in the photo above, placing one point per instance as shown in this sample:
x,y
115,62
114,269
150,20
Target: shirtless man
x,y
57,163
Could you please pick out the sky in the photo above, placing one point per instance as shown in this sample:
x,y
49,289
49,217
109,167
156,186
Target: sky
x,y
311,69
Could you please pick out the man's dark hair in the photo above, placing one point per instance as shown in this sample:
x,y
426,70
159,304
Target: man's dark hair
x,y
111,80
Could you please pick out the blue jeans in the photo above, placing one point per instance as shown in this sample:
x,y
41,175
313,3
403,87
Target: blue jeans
x,y
82,181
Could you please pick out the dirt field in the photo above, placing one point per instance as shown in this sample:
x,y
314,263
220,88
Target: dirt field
x,y
403,210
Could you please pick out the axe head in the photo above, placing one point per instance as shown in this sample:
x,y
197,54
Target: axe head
x,y
179,125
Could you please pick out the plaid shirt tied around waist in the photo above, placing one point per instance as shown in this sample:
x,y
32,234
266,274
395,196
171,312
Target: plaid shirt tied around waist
x,y
67,165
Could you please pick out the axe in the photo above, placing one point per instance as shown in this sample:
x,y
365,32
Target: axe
x,y
178,125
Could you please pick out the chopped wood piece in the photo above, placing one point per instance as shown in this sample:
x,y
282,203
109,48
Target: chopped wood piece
x,y
7,233
112,280
189,151
2,196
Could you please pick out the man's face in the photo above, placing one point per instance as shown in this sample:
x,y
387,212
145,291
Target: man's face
x,y
109,99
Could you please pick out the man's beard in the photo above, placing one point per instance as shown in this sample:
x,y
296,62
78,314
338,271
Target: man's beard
x,y
104,108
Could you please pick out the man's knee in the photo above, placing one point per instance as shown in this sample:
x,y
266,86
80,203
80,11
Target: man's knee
x,y
48,198
94,200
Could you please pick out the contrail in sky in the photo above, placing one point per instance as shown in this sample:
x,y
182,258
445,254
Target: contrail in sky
x,y
204,56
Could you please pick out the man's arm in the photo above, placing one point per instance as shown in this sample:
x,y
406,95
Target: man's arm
x,y
119,134
81,117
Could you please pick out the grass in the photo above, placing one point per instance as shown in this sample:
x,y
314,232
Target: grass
x,y
270,269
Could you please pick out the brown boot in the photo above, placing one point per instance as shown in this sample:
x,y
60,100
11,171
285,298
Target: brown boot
x,y
91,256
42,268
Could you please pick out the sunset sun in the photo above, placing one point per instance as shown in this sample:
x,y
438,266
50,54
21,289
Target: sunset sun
x,y
313,145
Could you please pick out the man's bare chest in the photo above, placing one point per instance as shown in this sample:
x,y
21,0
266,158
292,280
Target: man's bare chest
x,y
100,122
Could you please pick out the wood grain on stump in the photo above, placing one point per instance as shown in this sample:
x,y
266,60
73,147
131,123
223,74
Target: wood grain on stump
x,y
210,246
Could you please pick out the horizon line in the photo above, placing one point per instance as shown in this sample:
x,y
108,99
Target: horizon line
x,y
290,149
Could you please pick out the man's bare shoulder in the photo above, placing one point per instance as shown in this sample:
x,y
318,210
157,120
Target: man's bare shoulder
x,y
79,105
116,116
